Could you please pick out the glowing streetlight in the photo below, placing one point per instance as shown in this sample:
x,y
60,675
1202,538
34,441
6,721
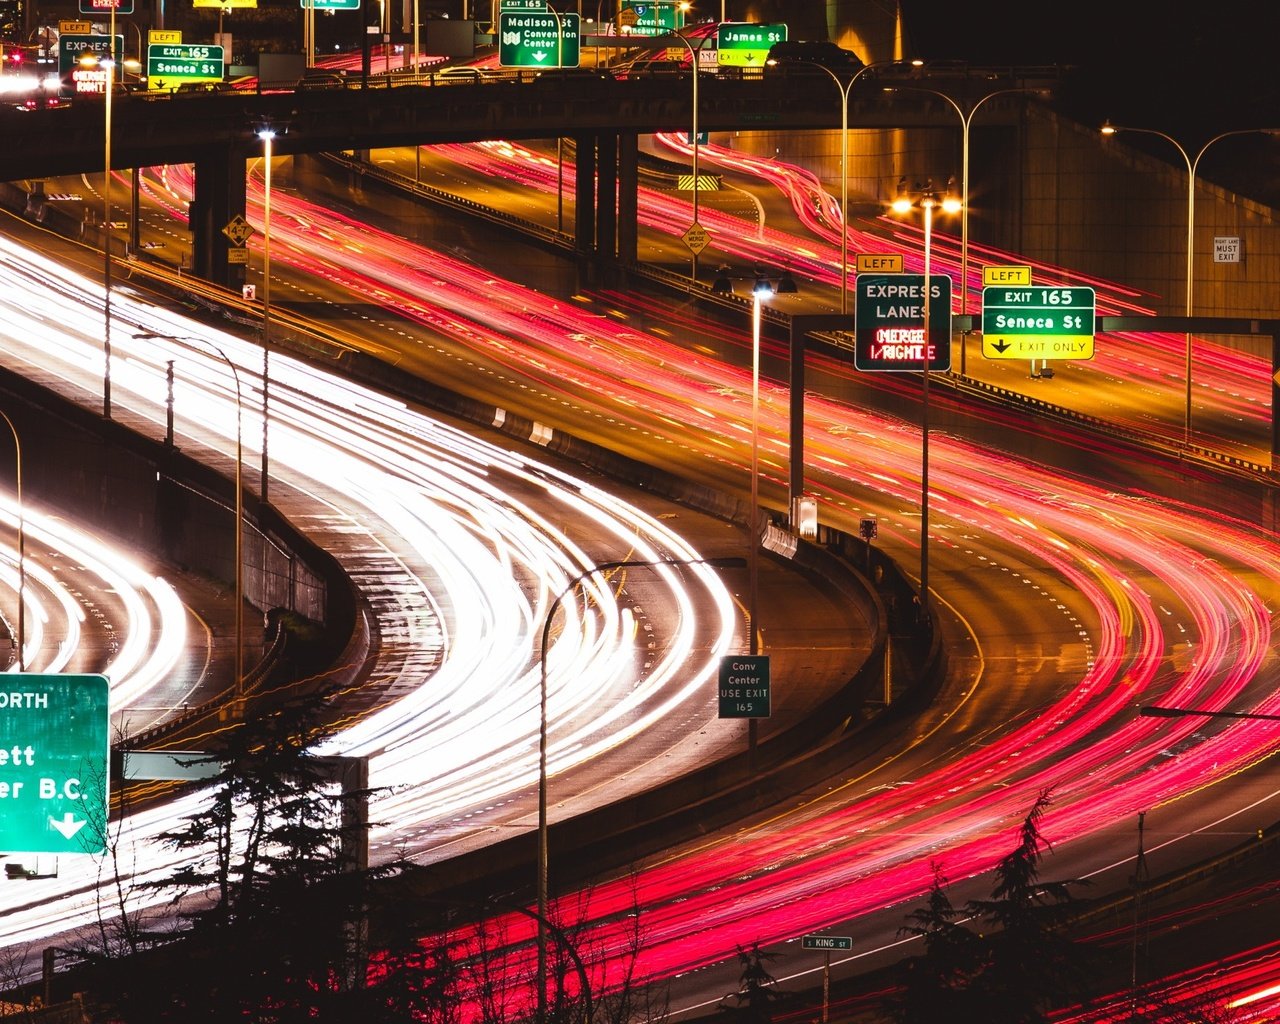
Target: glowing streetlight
x,y
1192,164
927,199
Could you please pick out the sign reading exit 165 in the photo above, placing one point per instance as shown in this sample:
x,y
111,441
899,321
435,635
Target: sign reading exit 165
x,y
1038,323
53,763
744,686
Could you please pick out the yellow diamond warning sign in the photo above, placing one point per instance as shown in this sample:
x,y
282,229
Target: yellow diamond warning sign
x,y
238,230
696,238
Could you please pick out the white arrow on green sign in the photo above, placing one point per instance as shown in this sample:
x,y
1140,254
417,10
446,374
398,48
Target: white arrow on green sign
x,y
746,45
53,763
533,39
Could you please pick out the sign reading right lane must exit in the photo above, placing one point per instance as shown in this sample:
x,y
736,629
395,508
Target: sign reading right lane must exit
x,y
1038,323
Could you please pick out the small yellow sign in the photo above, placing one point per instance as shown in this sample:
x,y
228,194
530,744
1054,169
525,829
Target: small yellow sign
x,y
696,238
238,254
878,263
238,230
993,276
164,37
75,28
1057,346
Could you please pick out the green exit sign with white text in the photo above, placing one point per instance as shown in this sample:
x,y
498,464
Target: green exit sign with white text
x,y
53,763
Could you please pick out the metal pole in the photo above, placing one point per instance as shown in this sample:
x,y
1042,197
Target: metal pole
x,y
22,547
723,563
267,136
924,423
106,221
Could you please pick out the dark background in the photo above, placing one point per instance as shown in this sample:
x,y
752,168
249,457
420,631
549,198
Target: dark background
x,y
1191,70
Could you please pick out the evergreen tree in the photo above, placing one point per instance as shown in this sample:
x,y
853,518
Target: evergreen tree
x,y
756,995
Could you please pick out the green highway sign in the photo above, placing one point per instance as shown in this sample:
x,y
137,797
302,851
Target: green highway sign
x,y
82,63
744,686
53,763
826,942
889,322
330,5
523,5
744,45
171,64
652,17
533,39
1038,323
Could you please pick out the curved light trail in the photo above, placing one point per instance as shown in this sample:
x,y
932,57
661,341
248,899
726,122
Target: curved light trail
x,y
1172,603
458,546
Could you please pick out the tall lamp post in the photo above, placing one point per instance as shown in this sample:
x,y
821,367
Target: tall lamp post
x,y
267,136
569,587
1192,163
22,546
106,218
695,54
966,122
844,87
239,568
928,199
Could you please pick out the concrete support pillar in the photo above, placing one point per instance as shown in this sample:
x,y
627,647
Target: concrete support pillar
x,y
607,211
628,197
585,193
219,195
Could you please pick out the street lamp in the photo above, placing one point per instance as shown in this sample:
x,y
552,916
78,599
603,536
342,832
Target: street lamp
x,y
110,64
1192,164
267,135
966,122
695,53
239,571
22,545
928,199
569,587
844,88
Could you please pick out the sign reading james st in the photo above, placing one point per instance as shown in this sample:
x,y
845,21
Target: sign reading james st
x,y
53,763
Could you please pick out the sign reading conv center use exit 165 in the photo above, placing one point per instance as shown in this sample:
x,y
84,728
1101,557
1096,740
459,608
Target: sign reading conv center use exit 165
x,y
744,686
536,39
53,763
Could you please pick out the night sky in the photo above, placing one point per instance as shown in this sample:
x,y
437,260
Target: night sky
x,y
1192,70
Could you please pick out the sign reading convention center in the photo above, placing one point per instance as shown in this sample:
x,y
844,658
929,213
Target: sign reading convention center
x,y
744,686
889,322
53,763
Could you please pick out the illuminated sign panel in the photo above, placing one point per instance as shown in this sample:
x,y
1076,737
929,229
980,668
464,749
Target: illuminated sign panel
x,y
744,690
81,63
744,45
170,64
1038,323
889,322
106,6
535,40
53,763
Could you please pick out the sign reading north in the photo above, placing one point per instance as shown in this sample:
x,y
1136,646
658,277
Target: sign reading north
x,y
744,686
889,329
1038,323
170,65
538,40
744,45
53,763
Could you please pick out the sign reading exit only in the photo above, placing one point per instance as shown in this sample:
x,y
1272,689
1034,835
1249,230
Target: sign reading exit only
x,y
744,686
1038,323
53,764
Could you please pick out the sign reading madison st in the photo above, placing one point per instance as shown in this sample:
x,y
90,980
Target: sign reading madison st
x,y
53,763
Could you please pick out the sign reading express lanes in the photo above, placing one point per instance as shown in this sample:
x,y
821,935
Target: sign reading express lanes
x,y
744,45
889,322
1038,323
53,763
538,40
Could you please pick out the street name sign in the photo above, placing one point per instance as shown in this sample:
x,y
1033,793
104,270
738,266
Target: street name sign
x,y
538,39
53,763
523,5
889,330
744,45
1038,323
744,686
651,17
826,942
170,65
